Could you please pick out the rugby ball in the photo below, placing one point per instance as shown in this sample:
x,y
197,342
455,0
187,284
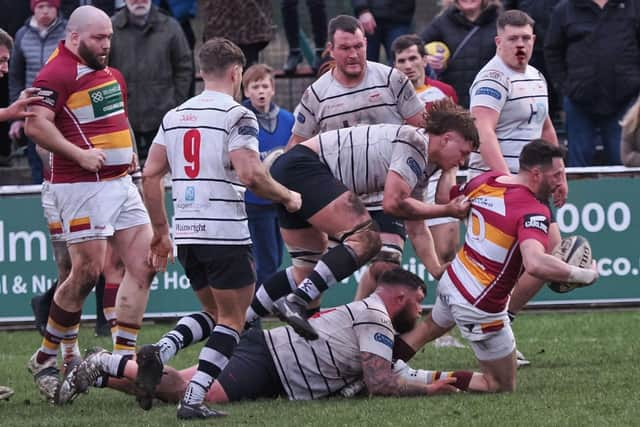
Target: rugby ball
x,y
576,251
438,49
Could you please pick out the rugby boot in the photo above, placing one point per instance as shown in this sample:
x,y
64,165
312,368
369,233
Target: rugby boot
x,y
150,368
197,411
46,376
293,310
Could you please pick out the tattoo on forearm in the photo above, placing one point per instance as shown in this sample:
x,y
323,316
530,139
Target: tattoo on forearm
x,y
382,381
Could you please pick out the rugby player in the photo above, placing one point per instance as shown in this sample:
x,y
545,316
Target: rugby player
x,y
209,145
509,99
386,164
82,120
355,344
508,229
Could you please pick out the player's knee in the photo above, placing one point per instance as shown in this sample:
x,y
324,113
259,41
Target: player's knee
x,y
365,242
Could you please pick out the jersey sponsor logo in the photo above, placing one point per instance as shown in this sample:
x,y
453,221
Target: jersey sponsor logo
x,y
190,194
49,96
301,118
415,167
383,339
495,75
190,228
493,204
537,221
106,100
188,117
489,91
248,130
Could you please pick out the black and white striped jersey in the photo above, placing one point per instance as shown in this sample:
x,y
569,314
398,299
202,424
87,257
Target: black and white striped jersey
x,y
362,156
522,101
208,197
385,95
314,369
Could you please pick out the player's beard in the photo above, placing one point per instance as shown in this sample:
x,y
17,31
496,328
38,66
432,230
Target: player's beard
x,y
404,321
90,58
545,191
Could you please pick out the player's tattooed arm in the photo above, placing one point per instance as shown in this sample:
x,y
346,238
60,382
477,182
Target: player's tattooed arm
x,y
382,381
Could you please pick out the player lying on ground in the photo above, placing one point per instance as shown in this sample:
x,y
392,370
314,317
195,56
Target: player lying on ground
x,y
355,343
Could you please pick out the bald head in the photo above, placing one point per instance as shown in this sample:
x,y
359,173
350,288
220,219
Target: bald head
x,y
84,18
89,32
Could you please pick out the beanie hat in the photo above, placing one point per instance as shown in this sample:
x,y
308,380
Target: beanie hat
x,y
52,3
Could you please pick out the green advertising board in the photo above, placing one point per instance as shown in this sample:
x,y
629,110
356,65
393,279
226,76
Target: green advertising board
x,y
601,209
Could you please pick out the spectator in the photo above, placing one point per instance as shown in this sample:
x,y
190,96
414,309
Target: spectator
x,y
630,148
318,17
468,28
249,24
275,125
108,6
34,43
183,11
151,51
540,11
383,21
593,56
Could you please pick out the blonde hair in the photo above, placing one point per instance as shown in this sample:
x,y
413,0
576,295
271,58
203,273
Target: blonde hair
x,y
629,122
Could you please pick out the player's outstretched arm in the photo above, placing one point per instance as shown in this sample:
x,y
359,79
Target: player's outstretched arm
x,y
544,266
155,168
255,176
397,201
381,380
18,110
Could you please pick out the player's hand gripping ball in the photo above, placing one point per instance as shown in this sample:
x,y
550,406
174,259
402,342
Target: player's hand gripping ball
x,y
576,251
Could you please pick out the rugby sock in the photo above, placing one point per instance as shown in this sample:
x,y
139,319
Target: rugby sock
x,y
112,364
69,344
338,263
109,306
125,338
60,325
190,329
213,358
278,285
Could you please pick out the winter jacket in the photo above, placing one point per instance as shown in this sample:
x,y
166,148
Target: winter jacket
x,y
180,9
393,11
451,27
593,54
30,53
157,64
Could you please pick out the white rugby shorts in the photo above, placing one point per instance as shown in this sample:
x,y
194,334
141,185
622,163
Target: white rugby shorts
x,y
52,214
489,334
95,210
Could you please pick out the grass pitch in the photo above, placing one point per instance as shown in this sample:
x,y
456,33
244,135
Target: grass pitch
x,y
585,371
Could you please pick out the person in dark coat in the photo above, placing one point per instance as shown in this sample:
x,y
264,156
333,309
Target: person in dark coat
x,y
453,26
592,50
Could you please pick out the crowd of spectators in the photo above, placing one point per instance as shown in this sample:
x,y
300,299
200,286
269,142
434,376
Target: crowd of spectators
x,y
587,50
